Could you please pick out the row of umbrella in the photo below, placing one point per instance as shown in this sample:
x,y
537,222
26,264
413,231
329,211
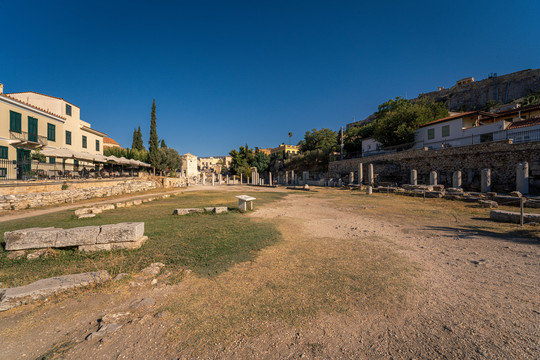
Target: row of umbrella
x,y
84,156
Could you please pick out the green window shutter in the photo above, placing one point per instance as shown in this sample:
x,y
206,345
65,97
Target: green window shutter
x,y
84,144
51,132
431,134
15,122
97,145
68,137
52,160
446,130
3,152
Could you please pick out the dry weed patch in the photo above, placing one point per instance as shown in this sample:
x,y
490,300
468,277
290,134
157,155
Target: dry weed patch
x,y
290,283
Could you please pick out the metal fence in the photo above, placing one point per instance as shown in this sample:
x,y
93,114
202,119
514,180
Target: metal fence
x,y
27,169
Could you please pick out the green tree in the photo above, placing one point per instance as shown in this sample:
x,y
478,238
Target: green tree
x,y
170,160
355,135
319,140
137,139
154,155
261,161
398,119
163,145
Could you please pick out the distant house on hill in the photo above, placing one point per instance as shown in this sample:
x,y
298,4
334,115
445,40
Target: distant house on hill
x,y
521,124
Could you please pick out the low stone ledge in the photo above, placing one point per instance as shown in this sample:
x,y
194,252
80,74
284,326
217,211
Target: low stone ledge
x,y
187,211
41,289
123,232
506,200
126,245
32,238
512,217
488,204
533,203
41,238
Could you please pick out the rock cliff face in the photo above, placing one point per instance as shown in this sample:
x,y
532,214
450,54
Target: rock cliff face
x,y
474,95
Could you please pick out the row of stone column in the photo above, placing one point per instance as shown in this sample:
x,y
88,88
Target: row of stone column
x,y
361,175
290,178
522,178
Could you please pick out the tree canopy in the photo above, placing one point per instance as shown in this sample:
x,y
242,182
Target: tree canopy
x,y
323,139
397,119
244,158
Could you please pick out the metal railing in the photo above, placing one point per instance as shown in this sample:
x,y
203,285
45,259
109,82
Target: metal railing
x,y
23,136
515,135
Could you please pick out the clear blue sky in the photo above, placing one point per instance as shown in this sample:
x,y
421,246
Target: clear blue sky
x,y
224,73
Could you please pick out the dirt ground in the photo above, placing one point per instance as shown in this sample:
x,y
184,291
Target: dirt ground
x,y
350,280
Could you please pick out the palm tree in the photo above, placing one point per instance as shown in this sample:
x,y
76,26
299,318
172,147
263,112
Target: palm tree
x,y
290,136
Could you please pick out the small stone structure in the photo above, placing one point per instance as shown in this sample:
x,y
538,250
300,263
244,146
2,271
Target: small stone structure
x,y
98,209
185,211
245,202
513,217
41,289
87,238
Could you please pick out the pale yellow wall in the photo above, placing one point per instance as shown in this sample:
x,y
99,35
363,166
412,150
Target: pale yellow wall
x,y
73,123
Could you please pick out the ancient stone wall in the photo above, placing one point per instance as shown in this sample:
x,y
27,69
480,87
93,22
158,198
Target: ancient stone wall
x,y
24,200
500,157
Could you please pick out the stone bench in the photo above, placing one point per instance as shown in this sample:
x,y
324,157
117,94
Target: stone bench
x,y
87,238
245,202
513,217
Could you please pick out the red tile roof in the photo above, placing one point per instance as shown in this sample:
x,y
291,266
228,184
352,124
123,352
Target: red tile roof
x,y
108,140
457,116
525,123
35,92
33,106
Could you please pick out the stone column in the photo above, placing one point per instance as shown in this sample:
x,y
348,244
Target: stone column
x,y
286,178
241,178
432,178
213,178
456,179
227,179
369,190
522,177
485,184
220,178
414,177
292,178
204,178
270,178
351,177
370,174
360,174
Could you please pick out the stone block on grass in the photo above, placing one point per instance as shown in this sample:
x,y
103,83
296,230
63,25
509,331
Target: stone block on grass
x,y
126,245
83,211
122,232
187,211
17,296
77,236
86,216
32,238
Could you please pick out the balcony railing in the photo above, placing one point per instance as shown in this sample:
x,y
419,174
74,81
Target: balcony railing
x,y
26,139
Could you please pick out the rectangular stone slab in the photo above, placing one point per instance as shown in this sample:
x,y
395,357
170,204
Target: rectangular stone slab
x,y
129,245
120,232
77,236
32,238
187,211
13,297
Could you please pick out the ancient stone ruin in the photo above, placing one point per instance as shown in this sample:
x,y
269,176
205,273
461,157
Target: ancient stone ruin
x,y
87,238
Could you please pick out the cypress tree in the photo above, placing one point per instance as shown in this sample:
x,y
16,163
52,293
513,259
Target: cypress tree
x,y
135,138
140,144
163,146
154,154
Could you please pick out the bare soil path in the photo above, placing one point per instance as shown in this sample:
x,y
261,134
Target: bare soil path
x,y
352,279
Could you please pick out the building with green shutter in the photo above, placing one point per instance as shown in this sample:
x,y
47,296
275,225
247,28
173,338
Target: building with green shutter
x,y
30,121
